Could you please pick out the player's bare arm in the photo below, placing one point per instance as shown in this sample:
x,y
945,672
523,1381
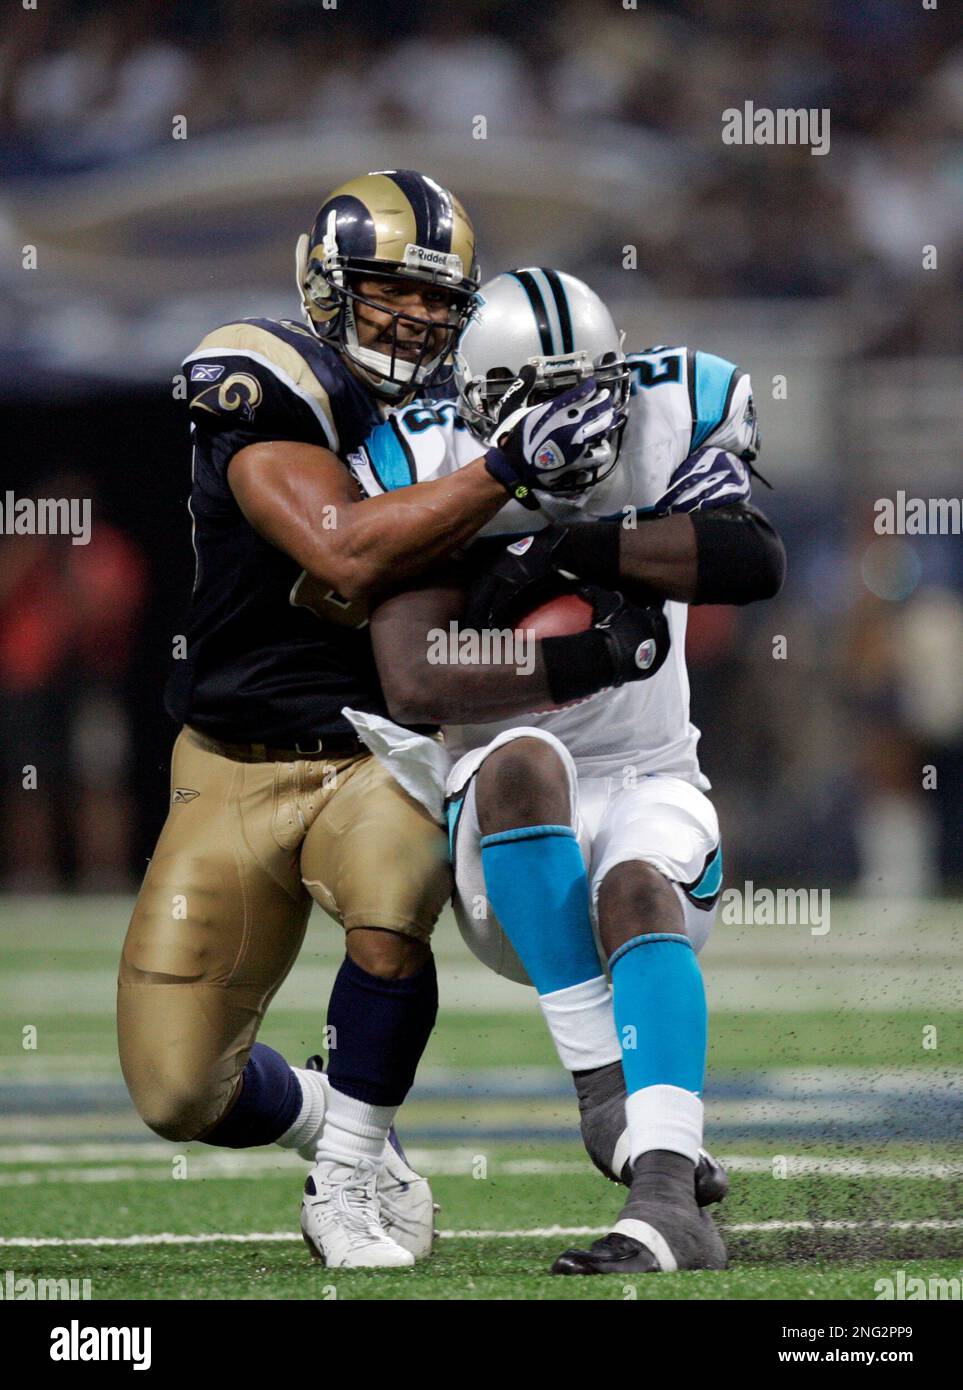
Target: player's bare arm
x,y
729,554
552,672
419,692
722,555
292,493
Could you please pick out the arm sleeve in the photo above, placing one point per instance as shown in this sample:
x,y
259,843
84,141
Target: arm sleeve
x,y
740,556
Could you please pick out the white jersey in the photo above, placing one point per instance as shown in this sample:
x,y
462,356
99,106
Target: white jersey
x,y
690,418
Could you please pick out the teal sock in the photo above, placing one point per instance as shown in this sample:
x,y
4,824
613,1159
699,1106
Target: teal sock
x,y
660,1012
536,882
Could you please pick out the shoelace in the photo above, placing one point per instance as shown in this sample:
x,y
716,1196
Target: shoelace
x,y
357,1203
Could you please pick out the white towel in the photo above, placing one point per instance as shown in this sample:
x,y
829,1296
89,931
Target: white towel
x,y
418,764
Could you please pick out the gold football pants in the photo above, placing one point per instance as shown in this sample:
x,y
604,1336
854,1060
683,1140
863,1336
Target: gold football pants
x,y
223,908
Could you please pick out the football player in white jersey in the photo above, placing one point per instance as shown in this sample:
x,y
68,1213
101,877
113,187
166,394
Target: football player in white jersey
x,y
583,830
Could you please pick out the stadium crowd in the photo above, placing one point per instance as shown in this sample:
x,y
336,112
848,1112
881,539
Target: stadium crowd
x,y
86,83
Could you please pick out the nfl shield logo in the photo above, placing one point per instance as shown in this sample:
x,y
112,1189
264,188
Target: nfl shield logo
x,y
548,456
519,547
645,654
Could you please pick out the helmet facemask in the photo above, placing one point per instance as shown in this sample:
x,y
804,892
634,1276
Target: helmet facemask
x,y
331,304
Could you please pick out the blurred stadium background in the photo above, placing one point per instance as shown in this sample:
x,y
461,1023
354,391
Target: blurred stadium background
x,y
603,132
602,151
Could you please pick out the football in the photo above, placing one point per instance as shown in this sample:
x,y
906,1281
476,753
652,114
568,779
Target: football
x,y
560,616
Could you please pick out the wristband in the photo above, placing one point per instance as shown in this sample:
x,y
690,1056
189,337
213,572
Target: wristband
x,y
499,465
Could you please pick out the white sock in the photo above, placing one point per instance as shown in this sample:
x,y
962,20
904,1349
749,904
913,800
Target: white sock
x,y
582,1024
306,1129
353,1130
664,1117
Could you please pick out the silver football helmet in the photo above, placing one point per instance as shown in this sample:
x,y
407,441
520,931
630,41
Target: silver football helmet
x,y
561,327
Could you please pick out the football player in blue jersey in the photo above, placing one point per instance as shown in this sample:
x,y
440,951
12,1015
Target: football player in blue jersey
x,y
275,803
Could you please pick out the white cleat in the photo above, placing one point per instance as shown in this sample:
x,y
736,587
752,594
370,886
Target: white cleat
x,y
407,1207
341,1219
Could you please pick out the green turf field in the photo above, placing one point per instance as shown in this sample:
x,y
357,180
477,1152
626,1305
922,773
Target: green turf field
x,y
834,1094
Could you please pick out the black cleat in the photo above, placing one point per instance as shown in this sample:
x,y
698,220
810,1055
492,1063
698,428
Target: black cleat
x,y
315,1063
678,1240
711,1180
613,1254
660,1228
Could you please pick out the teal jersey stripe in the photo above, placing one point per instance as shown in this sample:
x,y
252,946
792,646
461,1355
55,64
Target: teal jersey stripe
x,y
452,812
711,881
388,458
713,381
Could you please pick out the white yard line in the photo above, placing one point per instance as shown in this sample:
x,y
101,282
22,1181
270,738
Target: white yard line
x,y
530,1233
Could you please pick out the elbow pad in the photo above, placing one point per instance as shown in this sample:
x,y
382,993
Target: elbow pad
x,y
739,555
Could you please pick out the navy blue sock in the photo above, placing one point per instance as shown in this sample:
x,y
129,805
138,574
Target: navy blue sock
x,y
381,1028
268,1104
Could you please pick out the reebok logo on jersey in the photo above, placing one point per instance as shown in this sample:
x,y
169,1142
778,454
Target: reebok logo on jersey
x,y
519,547
183,794
206,371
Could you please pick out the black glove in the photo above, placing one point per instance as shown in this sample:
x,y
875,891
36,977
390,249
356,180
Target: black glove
x,y
512,579
624,643
637,637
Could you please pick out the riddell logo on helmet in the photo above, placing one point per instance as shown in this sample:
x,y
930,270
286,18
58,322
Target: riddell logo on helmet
x,y
420,257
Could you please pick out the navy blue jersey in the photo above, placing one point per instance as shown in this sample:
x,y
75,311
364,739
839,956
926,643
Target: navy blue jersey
x,y
272,654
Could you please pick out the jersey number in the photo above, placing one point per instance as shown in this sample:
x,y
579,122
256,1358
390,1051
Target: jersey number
x,y
656,373
422,417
